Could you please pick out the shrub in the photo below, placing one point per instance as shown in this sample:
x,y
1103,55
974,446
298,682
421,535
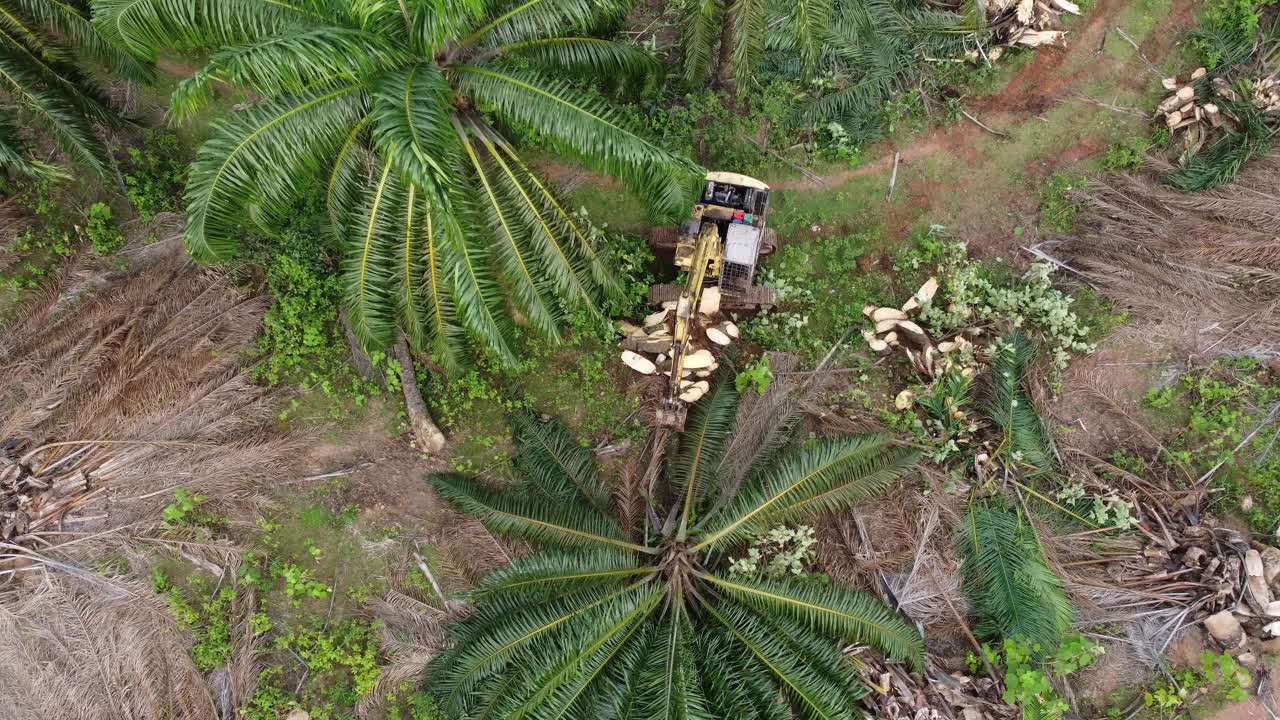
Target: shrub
x,y
105,237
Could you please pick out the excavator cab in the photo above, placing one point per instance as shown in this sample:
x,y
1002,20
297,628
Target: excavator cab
x,y
738,206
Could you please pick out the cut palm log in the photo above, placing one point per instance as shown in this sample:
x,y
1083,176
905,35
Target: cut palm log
x,y
875,343
904,399
639,363
913,331
887,313
717,336
926,292
710,303
730,329
699,360
657,318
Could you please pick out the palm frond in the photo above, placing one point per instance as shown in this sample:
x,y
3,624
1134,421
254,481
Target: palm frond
x,y
806,26
833,612
698,39
13,156
668,683
1011,408
489,643
577,661
584,126
526,278
805,673
523,20
733,684
437,23
546,574
443,335
594,57
262,157
549,459
349,170
749,20
576,240
692,470
289,63
369,267
145,26
535,519
564,268
828,476
410,124
1012,591
54,112
475,293
71,23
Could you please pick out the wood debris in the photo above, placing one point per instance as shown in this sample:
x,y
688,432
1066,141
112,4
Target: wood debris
x,y
1025,23
896,694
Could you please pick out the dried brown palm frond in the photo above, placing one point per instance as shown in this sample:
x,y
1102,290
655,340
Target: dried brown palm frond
x,y
1203,268
411,633
112,401
103,649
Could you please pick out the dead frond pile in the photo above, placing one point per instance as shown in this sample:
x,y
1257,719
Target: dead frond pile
x,y
110,403
75,649
1204,269
1178,568
896,694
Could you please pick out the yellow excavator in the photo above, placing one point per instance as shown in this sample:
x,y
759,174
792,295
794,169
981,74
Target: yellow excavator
x,y
718,246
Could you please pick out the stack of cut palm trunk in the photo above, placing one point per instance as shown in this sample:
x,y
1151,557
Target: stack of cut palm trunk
x,y
894,329
1029,23
1181,110
646,348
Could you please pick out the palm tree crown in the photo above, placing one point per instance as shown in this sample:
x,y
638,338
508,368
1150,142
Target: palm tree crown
x,y
394,108
604,623
40,83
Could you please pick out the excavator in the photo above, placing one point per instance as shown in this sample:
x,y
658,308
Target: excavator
x,y
718,246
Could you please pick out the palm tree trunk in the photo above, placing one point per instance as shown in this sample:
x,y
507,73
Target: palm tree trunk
x,y
724,60
429,438
359,357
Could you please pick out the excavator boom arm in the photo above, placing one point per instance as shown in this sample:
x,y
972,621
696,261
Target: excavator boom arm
x,y
707,252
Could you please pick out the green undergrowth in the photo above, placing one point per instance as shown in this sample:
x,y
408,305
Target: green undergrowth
x,y
1218,680
308,574
1029,670
301,342
154,171
1230,410
821,285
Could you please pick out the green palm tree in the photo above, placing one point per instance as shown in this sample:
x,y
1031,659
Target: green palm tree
x,y
602,623
876,46
43,90
727,37
404,113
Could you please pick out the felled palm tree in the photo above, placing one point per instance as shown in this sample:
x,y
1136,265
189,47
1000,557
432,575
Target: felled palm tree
x,y
42,90
394,109
605,624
